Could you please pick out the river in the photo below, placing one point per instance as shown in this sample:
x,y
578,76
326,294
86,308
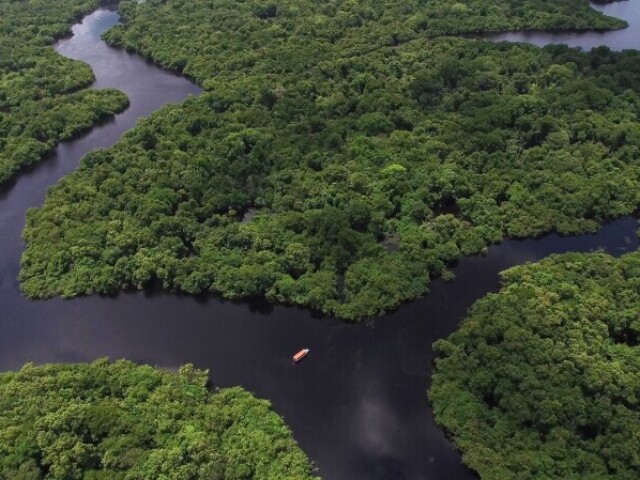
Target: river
x,y
628,10
357,405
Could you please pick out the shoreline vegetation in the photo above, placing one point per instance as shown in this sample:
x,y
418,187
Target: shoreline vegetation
x,y
371,151
606,24
118,420
43,96
541,379
341,156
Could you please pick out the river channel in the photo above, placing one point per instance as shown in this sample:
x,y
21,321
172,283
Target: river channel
x,y
627,38
357,405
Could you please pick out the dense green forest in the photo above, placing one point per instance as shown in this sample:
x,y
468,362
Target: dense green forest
x,y
218,40
42,99
117,421
344,153
541,380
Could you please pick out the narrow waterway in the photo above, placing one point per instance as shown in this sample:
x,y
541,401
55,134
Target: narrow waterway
x,y
357,404
627,38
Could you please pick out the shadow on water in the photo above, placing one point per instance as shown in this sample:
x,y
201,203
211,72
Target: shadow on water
x,y
357,404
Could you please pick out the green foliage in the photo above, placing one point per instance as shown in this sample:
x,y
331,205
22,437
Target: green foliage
x,y
450,17
370,154
207,38
541,380
119,421
41,96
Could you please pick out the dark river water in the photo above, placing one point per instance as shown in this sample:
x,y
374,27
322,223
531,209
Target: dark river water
x,y
357,404
628,10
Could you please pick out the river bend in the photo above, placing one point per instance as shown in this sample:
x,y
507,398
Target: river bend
x,y
357,404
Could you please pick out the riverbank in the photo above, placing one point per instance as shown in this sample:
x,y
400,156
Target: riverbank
x,y
356,405
44,97
627,38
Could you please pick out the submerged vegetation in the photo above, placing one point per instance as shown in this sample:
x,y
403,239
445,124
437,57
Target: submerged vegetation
x,y
370,151
42,100
120,421
542,379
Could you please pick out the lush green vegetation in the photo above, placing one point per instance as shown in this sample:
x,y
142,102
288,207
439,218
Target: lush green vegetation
x,y
541,380
41,96
117,421
209,38
341,157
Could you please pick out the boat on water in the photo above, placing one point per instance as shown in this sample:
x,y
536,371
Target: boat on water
x,y
300,355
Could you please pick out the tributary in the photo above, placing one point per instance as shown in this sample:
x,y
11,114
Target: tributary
x,y
357,404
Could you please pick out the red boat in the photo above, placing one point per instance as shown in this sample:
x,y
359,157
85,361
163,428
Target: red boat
x,y
300,355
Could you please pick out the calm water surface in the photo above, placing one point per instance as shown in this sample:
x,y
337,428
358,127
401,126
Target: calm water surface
x,y
619,40
357,404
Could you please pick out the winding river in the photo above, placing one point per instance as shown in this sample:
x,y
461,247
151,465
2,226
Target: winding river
x,y
357,405
627,38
